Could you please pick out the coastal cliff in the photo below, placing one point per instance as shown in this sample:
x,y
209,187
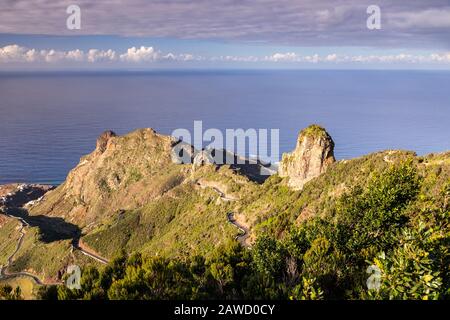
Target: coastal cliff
x,y
128,195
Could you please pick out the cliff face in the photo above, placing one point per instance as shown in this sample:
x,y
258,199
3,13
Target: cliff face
x,y
312,156
123,172
131,171
130,194
102,141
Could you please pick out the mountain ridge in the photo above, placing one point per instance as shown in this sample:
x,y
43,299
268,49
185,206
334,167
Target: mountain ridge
x,y
129,195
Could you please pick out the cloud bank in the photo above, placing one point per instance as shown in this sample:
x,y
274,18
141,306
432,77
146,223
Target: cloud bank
x,y
405,23
18,54
148,56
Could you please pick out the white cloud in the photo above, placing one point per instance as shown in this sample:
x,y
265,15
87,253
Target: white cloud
x,y
14,53
31,55
19,54
401,58
141,54
314,58
407,58
53,55
75,55
95,55
331,57
445,57
230,58
289,56
188,57
148,55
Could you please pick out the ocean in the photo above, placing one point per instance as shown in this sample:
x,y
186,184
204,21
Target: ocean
x,y
49,120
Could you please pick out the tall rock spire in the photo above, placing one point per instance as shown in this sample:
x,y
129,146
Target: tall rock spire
x,y
312,156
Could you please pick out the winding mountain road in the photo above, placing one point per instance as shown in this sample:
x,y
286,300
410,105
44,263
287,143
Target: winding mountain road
x,y
244,236
4,274
80,246
17,196
76,245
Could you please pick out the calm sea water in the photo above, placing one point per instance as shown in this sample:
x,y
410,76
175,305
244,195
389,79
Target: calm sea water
x,y
48,121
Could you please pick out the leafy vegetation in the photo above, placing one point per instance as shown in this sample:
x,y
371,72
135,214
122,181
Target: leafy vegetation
x,y
8,239
159,228
17,288
7,292
394,220
314,131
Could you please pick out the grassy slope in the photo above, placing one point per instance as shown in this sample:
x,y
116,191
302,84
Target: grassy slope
x,y
276,207
8,238
26,285
193,221
183,221
40,258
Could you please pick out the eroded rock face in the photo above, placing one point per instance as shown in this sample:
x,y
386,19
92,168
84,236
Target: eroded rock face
x,y
123,172
102,141
312,156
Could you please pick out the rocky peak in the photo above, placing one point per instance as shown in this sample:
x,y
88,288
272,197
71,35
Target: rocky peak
x,y
312,156
102,140
122,173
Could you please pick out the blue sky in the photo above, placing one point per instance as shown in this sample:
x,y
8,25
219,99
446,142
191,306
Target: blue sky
x,y
153,34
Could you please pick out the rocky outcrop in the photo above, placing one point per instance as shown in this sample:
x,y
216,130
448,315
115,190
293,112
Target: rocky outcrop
x,y
102,141
312,156
123,172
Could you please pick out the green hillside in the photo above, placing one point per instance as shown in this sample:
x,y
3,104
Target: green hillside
x,y
161,222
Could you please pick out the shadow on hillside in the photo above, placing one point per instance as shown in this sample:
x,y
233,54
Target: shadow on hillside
x,y
252,171
50,228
